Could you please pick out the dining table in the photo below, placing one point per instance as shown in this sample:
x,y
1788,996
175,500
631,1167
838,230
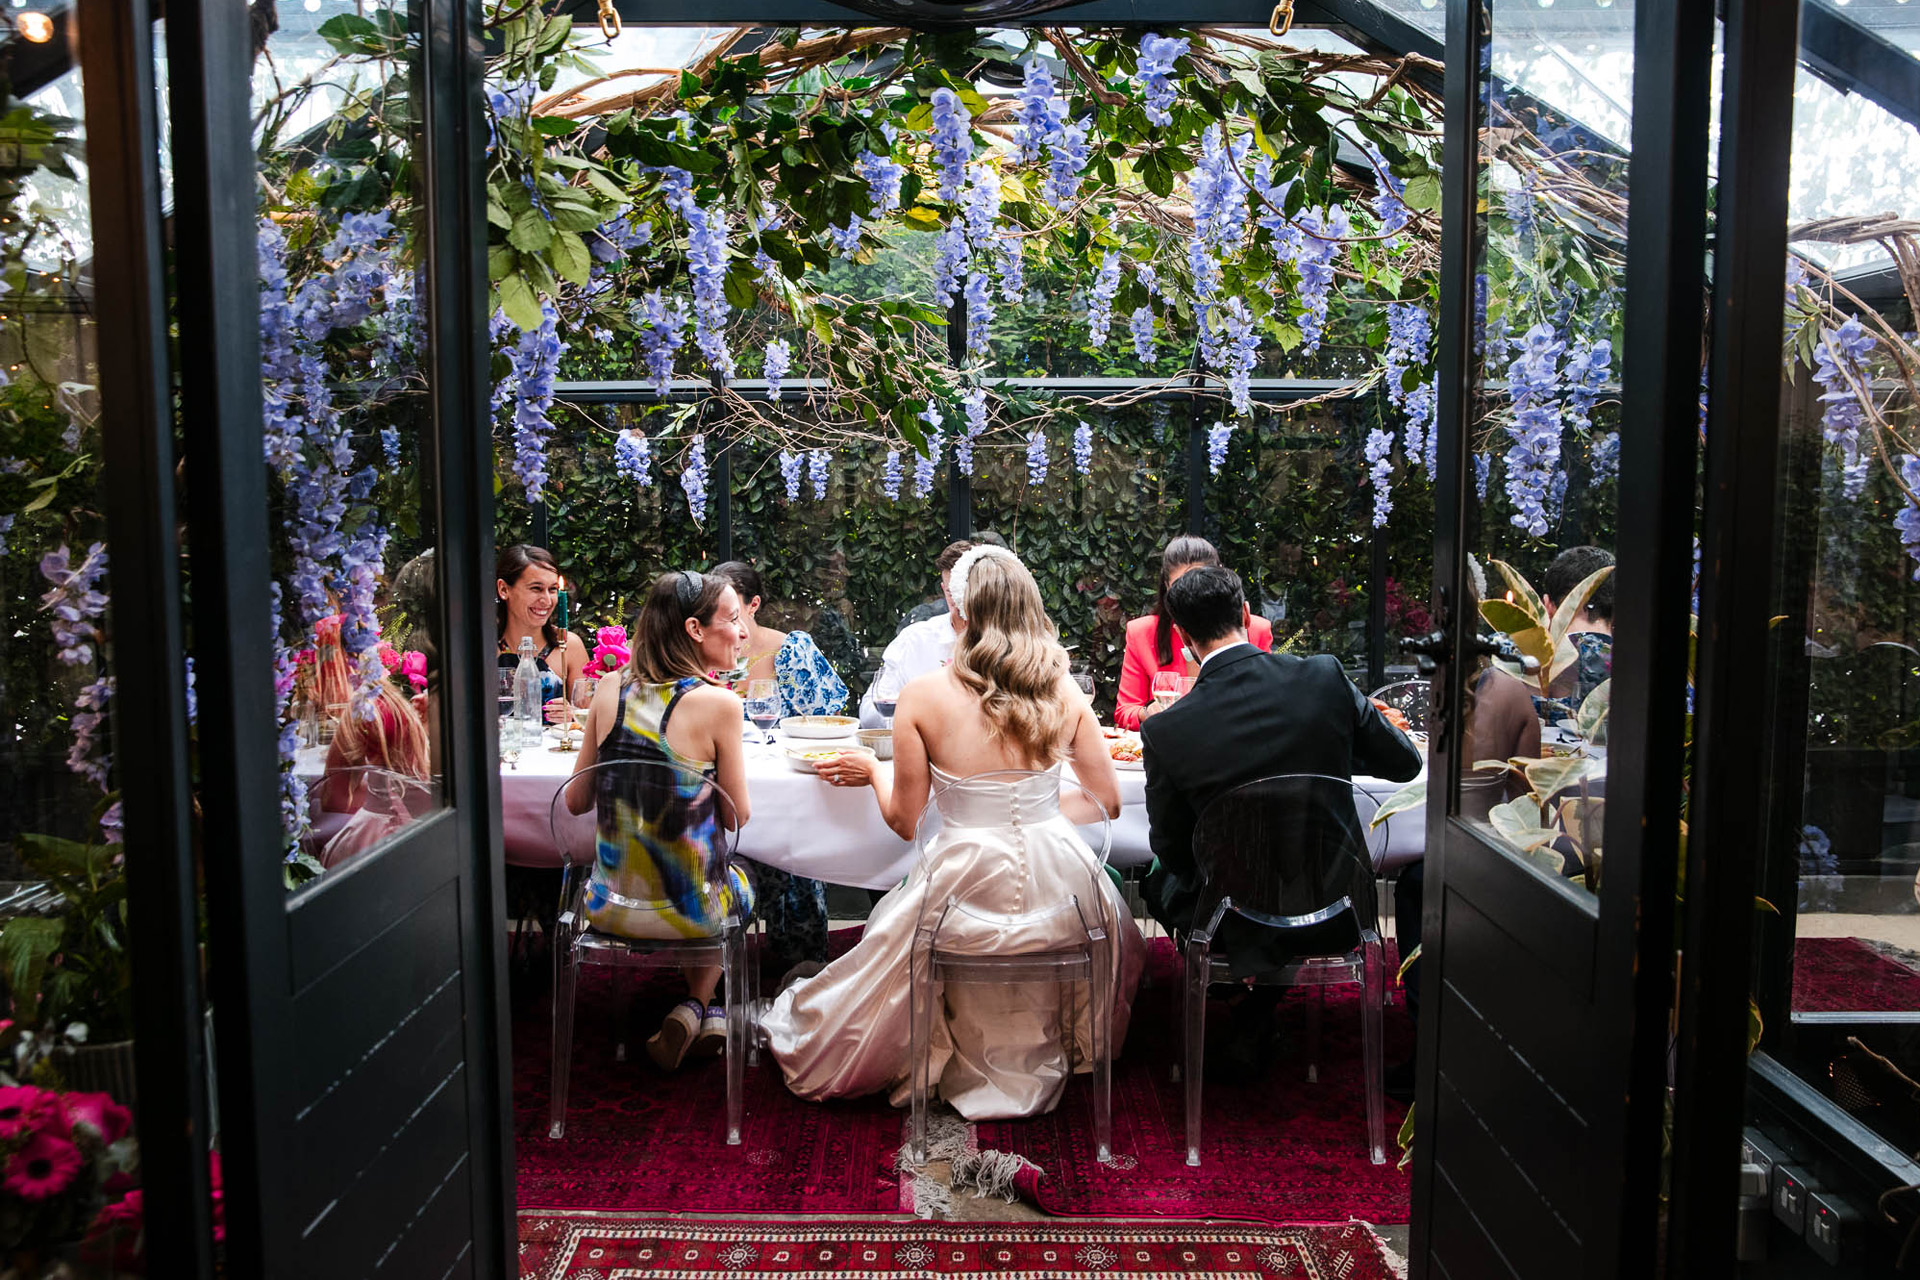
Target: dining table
x,y
801,824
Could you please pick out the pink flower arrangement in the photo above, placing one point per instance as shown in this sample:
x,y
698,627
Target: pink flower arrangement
x,y
610,651
389,657
61,1156
116,1238
413,665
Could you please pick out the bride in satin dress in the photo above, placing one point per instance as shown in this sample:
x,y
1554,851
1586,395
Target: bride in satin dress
x,y
1005,701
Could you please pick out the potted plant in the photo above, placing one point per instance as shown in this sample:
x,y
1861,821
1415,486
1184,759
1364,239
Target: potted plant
x,y
63,1156
68,976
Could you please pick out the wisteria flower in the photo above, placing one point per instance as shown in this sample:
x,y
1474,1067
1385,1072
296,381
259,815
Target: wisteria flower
x,y
790,465
1380,473
779,354
952,141
1036,457
1100,299
633,457
817,473
891,476
1219,437
694,477
1141,327
1083,449
1158,53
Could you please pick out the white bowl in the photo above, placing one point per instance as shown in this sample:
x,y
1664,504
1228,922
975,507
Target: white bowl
x,y
879,741
805,759
819,726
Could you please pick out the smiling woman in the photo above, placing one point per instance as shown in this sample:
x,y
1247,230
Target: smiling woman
x,y
529,598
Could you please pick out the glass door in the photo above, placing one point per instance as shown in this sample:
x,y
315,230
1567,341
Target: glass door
x,y
1569,427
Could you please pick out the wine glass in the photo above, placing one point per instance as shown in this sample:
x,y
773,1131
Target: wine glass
x,y
1166,687
886,694
582,699
1083,676
763,706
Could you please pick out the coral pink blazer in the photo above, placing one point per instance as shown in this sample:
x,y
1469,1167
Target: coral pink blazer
x,y
1141,664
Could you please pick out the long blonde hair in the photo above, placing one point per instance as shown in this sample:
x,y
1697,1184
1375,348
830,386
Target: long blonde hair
x,y
1009,655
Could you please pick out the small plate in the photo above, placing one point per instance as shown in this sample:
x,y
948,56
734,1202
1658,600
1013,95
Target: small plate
x,y
1130,766
805,759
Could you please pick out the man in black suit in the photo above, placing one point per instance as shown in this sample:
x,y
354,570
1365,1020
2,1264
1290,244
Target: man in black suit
x,y
1251,715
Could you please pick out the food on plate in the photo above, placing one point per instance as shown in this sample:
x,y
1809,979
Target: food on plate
x,y
1125,749
809,759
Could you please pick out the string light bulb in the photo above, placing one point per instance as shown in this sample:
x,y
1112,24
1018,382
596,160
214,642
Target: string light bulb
x,y
34,26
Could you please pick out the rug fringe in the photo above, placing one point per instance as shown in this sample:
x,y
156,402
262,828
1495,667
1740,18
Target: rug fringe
x,y
991,1173
1397,1264
949,1138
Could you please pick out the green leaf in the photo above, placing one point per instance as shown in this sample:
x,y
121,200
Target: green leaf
x,y
1518,823
518,301
570,257
1411,796
1590,722
1547,778
26,944
554,126
1574,607
531,232
1422,193
1522,590
1505,615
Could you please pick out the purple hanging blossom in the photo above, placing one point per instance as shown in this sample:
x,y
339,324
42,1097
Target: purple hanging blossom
x,y
1012,259
1158,53
1388,207
1100,299
924,465
1237,348
1323,230
1067,156
1605,457
1036,457
1380,473
662,323
693,479
1083,449
1149,279
846,240
534,365
707,264
1482,472
883,175
1219,437
1533,384
1420,435
1219,189
1907,519
1585,372
1517,204
980,205
1839,365
361,564
790,464
633,457
890,477
769,269
1141,327
293,808
980,312
950,261
952,141
817,473
974,403
778,357
618,236
75,607
1036,119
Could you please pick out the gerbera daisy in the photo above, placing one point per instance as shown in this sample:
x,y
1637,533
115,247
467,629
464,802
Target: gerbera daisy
x,y
100,1112
42,1168
21,1108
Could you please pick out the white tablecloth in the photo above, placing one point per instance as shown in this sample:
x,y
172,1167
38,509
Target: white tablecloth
x,y
800,824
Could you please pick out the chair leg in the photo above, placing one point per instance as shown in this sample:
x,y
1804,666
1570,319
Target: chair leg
x,y
1316,1013
565,978
1371,1041
1100,998
920,1039
734,974
1198,962
1179,1001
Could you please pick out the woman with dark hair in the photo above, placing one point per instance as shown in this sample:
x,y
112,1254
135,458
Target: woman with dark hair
x,y
649,875
1154,644
528,588
809,686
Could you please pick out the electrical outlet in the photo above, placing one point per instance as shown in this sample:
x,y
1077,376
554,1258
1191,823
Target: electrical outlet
x,y
1791,1190
1832,1225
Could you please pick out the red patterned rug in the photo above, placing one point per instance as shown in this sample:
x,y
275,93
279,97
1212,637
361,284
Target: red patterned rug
x,y
1282,1150
638,1138
1846,975
596,1246
1279,1150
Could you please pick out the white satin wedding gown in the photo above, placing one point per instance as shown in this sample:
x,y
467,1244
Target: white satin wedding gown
x,y
997,1051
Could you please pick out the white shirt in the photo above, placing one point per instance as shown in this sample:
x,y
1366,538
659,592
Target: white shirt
x,y
919,648
1225,648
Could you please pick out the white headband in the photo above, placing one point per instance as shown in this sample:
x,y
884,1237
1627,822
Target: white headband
x,y
957,584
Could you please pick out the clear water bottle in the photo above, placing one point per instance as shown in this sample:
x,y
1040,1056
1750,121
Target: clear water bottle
x,y
526,698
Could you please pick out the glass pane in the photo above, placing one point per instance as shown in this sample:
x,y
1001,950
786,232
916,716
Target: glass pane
x,y
1544,433
64,907
355,603
1845,842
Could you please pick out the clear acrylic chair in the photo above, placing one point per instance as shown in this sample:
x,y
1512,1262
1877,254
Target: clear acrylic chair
x,y
352,809
576,942
1411,698
1287,862
1087,958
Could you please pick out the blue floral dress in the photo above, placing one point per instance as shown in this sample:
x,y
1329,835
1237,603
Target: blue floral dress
x,y
809,685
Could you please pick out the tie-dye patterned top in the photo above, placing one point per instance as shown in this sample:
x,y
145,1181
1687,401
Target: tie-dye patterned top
x,y
657,830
